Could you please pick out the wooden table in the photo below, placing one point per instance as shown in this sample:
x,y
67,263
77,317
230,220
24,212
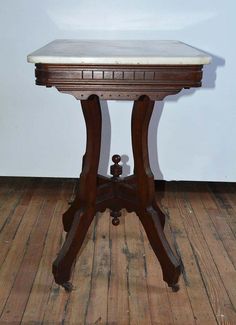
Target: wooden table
x,y
142,71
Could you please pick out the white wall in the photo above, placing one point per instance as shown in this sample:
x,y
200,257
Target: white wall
x,y
42,132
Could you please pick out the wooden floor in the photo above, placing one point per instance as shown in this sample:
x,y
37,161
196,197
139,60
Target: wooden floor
x,y
117,278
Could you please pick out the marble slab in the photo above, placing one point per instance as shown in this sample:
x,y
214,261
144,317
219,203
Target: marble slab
x,y
66,51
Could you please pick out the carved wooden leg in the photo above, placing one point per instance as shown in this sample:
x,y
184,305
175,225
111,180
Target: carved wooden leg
x,y
170,264
63,264
79,216
161,215
92,115
68,216
151,216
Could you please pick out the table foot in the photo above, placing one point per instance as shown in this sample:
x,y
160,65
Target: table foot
x,y
62,266
115,217
68,286
174,287
170,264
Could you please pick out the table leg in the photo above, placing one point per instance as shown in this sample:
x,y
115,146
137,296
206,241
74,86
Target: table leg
x,y
80,215
150,215
68,215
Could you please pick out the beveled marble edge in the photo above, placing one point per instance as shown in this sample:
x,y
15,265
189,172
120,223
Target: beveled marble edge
x,y
134,60
49,53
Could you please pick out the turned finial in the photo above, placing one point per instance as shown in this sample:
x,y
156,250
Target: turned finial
x,y
116,169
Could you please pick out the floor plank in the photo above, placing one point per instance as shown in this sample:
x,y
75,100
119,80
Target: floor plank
x,y
10,202
10,228
222,305
158,298
7,185
224,231
202,310
21,289
96,312
139,308
82,279
10,267
226,206
44,280
118,299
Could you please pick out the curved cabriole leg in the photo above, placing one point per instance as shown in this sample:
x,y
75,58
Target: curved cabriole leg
x,y
171,267
79,216
152,218
63,264
68,215
161,215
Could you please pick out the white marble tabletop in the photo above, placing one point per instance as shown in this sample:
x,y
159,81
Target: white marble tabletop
x,y
65,51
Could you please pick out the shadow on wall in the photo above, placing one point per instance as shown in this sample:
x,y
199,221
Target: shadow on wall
x,y
208,82
105,139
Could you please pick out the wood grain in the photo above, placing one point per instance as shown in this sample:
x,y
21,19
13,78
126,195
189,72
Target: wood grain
x,y
201,308
13,221
11,265
222,305
44,280
158,297
10,202
140,313
119,81
97,309
118,299
80,296
18,297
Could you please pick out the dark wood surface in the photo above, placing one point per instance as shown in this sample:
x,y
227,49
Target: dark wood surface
x,y
117,278
144,85
127,82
